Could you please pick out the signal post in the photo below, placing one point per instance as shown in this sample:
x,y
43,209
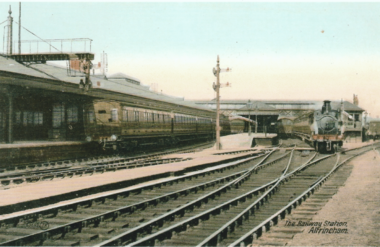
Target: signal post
x,y
217,87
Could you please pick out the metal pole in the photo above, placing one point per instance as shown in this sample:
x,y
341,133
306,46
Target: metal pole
x,y
217,105
19,29
10,38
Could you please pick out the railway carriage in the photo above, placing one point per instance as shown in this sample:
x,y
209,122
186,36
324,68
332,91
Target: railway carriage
x,y
285,127
373,131
116,125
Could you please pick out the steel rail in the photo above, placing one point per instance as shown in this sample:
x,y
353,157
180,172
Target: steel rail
x,y
181,226
133,233
194,220
139,189
113,214
101,168
95,219
97,159
279,215
217,236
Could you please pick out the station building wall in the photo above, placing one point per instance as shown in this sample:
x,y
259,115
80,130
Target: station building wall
x,y
41,116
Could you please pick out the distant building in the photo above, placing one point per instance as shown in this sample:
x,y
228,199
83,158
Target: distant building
x,y
269,112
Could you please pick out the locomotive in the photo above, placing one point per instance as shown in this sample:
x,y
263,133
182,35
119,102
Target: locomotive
x,y
324,128
116,125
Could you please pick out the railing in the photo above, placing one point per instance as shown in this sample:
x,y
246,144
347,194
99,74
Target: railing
x,y
77,45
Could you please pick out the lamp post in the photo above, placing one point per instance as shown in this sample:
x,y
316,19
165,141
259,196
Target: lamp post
x,y
249,105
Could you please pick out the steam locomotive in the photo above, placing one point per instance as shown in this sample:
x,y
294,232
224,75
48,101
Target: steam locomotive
x,y
324,128
116,125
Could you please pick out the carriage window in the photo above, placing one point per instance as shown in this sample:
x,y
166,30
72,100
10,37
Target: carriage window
x,y
145,117
114,115
90,116
38,118
136,116
125,115
58,115
72,114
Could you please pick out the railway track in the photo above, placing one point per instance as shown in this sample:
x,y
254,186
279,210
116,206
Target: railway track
x,y
136,199
168,213
35,172
192,230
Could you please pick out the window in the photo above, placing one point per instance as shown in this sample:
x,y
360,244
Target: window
x,y
356,117
27,118
90,116
136,116
152,117
72,114
125,115
38,118
114,115
58,115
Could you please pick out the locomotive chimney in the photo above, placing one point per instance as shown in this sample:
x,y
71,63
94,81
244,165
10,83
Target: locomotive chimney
x,y
326,106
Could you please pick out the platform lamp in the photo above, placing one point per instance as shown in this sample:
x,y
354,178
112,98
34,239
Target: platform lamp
x,y
249,105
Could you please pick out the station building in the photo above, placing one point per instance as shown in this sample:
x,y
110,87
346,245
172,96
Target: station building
x,y
268,113
44,102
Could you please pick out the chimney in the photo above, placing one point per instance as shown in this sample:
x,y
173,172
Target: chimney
x,y
356,100
326,106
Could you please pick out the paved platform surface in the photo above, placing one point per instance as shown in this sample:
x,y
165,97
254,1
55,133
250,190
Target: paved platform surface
x,y
242,140
32,144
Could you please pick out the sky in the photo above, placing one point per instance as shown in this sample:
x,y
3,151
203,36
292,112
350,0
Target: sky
x,y
287,51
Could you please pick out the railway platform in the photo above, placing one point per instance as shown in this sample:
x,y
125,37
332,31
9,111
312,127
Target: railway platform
x,y
36,151
244,140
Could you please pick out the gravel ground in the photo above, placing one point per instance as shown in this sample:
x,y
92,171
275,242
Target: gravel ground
x,y
357,203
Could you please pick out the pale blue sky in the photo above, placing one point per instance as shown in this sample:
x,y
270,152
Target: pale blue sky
x,y
282,50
